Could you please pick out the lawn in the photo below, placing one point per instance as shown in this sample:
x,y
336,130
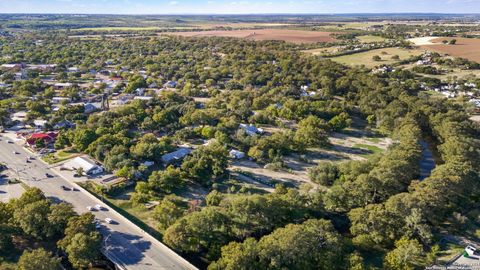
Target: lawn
x,y
386,54
448,251
137,214
372,149
60,156
370,39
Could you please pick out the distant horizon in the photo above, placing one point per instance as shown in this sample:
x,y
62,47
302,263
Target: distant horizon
x,y
237,14
241,7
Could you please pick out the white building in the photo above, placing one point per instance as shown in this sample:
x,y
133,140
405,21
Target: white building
x,y
176,156
89,166
236,154
251,129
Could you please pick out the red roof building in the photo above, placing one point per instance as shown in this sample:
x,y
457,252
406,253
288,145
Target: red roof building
x,y
46,137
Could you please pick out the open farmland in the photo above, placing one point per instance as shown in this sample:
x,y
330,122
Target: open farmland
x,y
295,36
371,39
386,54
468,48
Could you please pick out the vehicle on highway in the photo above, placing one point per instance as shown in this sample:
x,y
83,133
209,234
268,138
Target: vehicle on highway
x,y
75,189
99,207
27,160
109,220
65,188
15,153
48,175
8,141
89,208
31,157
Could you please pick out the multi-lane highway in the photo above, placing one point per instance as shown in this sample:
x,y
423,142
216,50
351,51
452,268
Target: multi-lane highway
x,y
124,243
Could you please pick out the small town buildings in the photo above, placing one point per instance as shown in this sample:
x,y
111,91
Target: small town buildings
x,y
88,166
143,98
251,129
64,124
170,84
20,116
60,86
59,100
236,154
176,156
46,138
39,123
148,164
90,108
12,66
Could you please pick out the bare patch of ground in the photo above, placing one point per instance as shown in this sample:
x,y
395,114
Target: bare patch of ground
x,y
294,36
420,41
468,48
475,118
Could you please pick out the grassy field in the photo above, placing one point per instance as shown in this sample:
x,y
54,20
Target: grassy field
x,y
372,149
60,156
371,39
322,51
386,54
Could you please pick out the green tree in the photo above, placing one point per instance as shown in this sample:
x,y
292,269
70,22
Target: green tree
x,y
312,131
83,249
83,138
38,259
206,163
324,174
340,121
82,242
33,219
170,209
313,244
165,181
59,216
408,254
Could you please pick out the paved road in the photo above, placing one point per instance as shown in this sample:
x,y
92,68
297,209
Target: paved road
x,y
124,243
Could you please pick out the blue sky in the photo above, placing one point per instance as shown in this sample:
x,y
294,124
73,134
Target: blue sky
x,y
237,6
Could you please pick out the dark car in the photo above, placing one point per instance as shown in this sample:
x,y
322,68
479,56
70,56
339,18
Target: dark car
x,y
48,175
65,188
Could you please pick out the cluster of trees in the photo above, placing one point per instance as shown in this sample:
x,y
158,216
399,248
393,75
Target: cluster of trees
x,y
47,228
226,219
314,244
203,166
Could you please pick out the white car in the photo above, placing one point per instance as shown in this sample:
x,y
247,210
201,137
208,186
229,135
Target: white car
x,y
89,208
98,207
109,220
15,152
470,250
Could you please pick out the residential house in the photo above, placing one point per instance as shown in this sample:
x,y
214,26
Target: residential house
x,y
90,108
170,84
47,138
176,156
236,154
65,124
251,129
60,86
88,166
59,100
39,123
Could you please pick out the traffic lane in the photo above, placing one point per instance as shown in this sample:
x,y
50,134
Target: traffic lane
x,y
144,254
